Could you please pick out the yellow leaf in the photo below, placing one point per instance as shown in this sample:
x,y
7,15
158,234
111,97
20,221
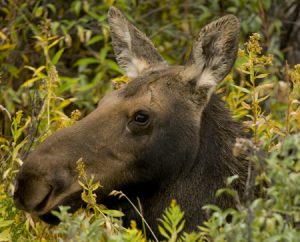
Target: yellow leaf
x,y
5,235
7,46
246,105
262,75
3,36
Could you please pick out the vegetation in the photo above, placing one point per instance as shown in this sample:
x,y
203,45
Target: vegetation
x,y
56,63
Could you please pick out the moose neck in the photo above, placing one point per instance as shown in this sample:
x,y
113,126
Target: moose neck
x,y
197,187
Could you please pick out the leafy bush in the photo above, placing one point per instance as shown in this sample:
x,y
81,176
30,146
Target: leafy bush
x,y
44,85
275,215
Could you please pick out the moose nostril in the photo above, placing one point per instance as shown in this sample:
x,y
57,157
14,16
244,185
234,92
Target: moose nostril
x,y
32,195
44,201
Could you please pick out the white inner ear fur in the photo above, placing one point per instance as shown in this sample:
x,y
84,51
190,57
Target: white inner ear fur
x,y
135,67
204,78
207,79
121,29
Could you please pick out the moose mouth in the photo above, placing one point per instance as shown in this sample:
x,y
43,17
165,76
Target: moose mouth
x,y
73,202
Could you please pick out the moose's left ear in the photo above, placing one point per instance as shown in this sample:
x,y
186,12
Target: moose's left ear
x,y
214,52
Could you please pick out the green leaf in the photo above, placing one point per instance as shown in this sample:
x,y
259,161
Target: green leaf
x,y
229,191
5,235
181,226
114,66
241,89
94,39
231,179
167,224
113,213
57,56
51,7
172,221
55,42
38,12
212,207
5,223
30,82
163,232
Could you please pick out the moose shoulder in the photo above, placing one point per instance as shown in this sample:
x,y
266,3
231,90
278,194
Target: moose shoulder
x,y
164,136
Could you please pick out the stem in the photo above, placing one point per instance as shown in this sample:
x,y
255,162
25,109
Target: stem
x,y
287,123
141,209
49,84
254,101
136,209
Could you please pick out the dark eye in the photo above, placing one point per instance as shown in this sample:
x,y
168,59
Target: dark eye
x,y
141,118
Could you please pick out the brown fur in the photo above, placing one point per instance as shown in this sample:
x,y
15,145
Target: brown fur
x,y
182,151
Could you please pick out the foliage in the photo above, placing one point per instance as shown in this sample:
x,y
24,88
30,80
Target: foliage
x,y
172,222
56,59
74,36
275,216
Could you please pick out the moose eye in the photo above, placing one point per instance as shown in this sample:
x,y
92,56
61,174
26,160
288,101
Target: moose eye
x,y
141,118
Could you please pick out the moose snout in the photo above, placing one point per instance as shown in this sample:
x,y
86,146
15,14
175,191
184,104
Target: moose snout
x,y
32,195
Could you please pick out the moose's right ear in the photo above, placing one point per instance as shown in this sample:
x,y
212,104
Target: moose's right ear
x,y
133,50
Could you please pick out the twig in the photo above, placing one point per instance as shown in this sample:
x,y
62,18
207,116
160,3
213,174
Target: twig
x,y
250,182
33,129
121,194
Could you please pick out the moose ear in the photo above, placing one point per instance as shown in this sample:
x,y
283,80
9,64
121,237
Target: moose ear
x,y
213,54
133,50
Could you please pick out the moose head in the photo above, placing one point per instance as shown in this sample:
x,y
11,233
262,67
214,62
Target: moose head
x,y
164,135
